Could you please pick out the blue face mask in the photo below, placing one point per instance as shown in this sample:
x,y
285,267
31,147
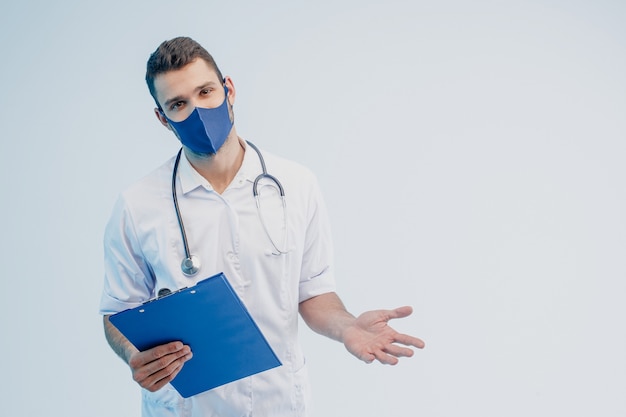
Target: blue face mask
x,y
204,131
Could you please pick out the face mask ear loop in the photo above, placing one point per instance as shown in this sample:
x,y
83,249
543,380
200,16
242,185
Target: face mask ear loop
x,y
231,113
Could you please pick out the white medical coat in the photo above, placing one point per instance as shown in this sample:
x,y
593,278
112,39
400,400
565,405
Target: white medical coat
x,y
144,250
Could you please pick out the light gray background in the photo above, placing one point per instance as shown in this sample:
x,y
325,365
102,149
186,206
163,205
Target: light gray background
x,y
471,155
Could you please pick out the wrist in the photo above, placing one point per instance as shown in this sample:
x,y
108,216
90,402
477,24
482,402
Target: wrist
x,y
343,324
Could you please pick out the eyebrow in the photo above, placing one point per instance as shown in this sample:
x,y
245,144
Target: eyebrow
x,y
181,98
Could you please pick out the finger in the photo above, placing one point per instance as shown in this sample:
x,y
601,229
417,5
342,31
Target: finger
x,y
160,362
407,340
385,358
154,380
165,362
167,349
366,357
158,382
150,355
398,351
400,312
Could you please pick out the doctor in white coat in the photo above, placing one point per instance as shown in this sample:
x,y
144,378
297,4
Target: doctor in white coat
x,y
278,259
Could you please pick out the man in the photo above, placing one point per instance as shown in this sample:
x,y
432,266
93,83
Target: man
x,y
278,259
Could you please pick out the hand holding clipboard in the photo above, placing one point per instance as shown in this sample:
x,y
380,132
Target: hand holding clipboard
x,y
209,318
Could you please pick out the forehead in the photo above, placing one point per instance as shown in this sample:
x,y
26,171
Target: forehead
x,y
183,81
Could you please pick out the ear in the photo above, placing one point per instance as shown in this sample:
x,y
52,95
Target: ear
x,y
161,116
228,82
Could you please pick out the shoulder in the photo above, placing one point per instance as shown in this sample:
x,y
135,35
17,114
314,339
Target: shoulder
x,y
287,169
149,189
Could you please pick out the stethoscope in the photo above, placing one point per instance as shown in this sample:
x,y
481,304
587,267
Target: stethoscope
x,y
191,264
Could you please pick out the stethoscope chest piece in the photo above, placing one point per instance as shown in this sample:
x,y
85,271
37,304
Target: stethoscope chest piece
x,y
190,265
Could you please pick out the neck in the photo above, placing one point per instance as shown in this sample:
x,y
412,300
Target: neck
x,y
220,169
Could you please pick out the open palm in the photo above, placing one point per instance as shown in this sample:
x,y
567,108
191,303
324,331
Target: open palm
x,y
371,338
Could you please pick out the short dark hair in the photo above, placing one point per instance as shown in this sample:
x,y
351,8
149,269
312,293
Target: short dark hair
x,y
174,54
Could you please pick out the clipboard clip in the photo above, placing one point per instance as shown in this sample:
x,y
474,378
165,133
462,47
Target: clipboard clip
x,y
164,292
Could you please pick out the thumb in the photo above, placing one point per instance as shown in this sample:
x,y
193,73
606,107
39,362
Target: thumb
x,y
400,312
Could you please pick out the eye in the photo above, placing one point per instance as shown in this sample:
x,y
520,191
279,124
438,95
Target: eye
x,y
205,92
177,106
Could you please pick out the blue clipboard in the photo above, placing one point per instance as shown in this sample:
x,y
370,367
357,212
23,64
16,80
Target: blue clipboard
x,y
227,344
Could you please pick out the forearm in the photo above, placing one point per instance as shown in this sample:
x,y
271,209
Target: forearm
x,y
117,340
327,315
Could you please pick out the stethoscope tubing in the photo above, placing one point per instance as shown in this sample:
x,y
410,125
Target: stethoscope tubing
x,y
264,174
191,264
176,207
